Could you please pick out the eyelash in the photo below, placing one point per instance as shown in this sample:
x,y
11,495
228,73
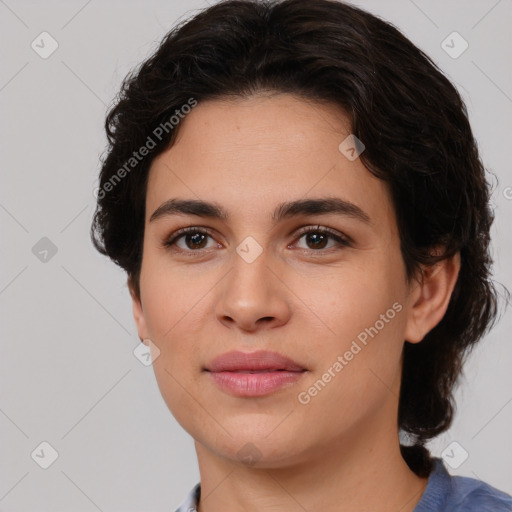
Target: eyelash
x,y
342,240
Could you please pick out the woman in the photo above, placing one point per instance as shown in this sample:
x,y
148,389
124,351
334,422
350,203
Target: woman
x,y
296,196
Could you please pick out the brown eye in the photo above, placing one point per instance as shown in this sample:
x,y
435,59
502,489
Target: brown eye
x,y
188,239
195,241
318,238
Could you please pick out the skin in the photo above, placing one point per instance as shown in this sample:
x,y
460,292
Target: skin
x,y
339,452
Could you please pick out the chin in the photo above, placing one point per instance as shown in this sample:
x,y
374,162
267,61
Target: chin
x,y
254,450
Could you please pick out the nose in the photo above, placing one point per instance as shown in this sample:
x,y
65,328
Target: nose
x,y
253,296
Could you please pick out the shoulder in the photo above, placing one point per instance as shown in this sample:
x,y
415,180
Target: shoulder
x,y
447,493
470,494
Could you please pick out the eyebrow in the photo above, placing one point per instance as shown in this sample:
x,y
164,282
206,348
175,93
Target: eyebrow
x,y
304,207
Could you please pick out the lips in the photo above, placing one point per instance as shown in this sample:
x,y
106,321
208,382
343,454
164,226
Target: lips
x,y
254,374
261,361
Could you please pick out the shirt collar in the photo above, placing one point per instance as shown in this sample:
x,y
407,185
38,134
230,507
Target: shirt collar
x,y
434,496
190,503
438,488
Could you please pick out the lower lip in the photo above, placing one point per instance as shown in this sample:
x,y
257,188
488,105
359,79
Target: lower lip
x,y
254,384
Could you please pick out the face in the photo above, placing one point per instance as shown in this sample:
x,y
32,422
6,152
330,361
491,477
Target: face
x,y
333,299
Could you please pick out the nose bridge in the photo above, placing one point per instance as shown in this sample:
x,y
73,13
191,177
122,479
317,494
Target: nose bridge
x,y
251,273
252,291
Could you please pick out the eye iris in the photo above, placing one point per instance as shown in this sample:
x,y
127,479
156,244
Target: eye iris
x,y
319,239
197,239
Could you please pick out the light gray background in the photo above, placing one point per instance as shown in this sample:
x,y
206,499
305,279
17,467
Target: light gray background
x,y
68,374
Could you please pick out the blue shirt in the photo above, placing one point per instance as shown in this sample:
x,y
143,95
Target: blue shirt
x,y
444,493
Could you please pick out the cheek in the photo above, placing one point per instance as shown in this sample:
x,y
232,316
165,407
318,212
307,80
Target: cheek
x,y
356,371
174,319
364,318
350,300
172,310
171,296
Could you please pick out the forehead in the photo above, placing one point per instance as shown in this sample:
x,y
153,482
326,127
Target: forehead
x,y
254,153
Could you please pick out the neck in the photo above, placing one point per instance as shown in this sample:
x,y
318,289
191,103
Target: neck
x,y
364,470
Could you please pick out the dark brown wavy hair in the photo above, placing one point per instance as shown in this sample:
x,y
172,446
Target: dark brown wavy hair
x,y
411,119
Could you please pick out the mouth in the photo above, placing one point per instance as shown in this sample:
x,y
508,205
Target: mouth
x,y
254,374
